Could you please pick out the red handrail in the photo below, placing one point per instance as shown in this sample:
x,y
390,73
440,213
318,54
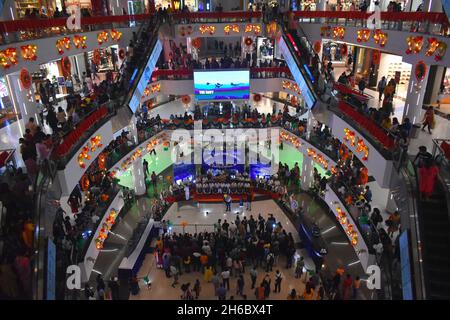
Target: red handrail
x,y
33,24
433,17
348,90
187,72
216,15
373,128
73,137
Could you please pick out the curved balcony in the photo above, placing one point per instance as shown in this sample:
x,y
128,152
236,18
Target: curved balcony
x,y
30,29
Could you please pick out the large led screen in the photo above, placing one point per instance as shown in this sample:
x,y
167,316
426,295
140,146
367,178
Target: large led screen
x,y
222,85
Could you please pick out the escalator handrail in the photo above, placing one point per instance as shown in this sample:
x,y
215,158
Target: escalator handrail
x,y
411,181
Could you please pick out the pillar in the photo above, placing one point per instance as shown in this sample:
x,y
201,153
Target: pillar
x,y
138,177
307,174
309,124
321,5
432,6
436,73
132,129
23,100
414,99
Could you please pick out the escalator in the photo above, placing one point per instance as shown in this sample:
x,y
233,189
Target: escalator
x,y
435,223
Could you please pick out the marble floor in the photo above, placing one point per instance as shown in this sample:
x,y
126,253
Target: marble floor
x,y
161,288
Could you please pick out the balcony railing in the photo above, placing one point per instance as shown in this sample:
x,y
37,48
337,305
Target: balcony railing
x,y
420,22
255,73
28,29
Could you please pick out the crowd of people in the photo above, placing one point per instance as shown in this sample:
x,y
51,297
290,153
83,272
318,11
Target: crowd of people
x,y
258,247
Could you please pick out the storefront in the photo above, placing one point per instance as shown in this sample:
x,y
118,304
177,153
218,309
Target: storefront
x,y
265,49
341,5
174,4
7,113
392,67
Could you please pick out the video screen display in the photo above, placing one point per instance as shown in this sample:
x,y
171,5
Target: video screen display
x,y
145,78
222,85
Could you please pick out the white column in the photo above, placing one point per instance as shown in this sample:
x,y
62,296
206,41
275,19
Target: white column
x,y
307,174
309,124
139,177
414,98
116,6
132,128
23,100
432,6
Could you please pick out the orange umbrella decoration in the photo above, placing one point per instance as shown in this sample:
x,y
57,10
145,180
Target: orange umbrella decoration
x,y
25,78
197,43
186,99
257,97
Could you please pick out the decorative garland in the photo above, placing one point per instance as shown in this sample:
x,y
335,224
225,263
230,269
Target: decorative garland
x,y
29,52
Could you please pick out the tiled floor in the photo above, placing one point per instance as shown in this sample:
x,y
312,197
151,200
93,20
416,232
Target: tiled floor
x,y
161,286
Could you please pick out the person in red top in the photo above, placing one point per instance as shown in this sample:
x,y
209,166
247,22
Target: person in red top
x,y
346,287
428,119
427,175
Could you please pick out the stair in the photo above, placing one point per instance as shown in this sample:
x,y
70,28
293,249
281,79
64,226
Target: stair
x,y
436,245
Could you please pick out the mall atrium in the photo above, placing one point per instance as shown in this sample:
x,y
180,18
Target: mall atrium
x,y
224,150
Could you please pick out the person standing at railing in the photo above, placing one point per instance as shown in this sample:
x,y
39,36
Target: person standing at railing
x,y
381,86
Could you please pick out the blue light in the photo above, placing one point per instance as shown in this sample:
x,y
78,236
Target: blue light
x,y
309,73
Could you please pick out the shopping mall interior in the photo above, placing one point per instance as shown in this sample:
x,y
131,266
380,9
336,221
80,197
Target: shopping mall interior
x,y
224,150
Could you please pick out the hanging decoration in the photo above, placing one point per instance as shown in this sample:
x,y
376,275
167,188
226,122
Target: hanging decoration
x,y
231,28
349,136
318,158
106,227
255,28
294,100
66,66
85,183
248,41
197,43
8,57
361,147
91,146
257,97
29,52
433,44
317,46
96,58
186,99
376,57
207,29
156,88
380,37
325,31
121,53
363,35
292,86
115,34
338,33
344,49
185,30
102,162
25,79
420,71
151,145
440,51
102,37
272,29
62,44
415,44
79,41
